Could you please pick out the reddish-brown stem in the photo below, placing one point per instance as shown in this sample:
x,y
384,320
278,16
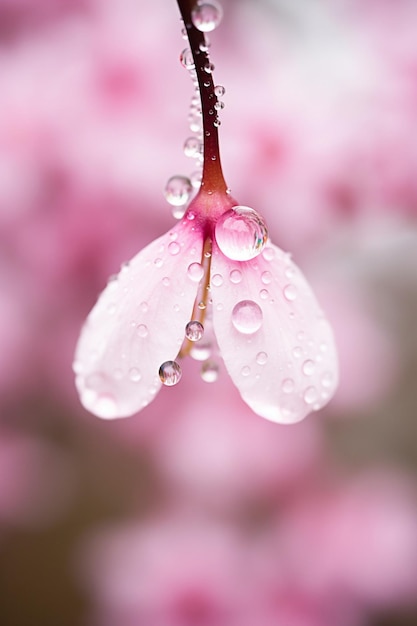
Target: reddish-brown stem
x,y
213,179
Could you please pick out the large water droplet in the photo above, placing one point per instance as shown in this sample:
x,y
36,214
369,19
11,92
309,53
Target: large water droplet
x,y
170,373
195,272
241,233
177,190
207,15
310,395
290,292
186,59
308,368
210,372
194,330
192,147
247,317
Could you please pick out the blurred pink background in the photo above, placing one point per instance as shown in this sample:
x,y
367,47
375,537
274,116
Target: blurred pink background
x,y
197,512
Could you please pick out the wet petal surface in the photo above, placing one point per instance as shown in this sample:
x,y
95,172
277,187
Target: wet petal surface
x,y
274,339
137,324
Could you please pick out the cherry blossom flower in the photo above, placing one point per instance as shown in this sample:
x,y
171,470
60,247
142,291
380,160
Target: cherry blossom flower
x,y
215,273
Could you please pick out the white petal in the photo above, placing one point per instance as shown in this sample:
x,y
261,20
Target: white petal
x,y
280,351
137,324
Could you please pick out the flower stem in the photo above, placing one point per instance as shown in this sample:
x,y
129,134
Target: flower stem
x,y
213,179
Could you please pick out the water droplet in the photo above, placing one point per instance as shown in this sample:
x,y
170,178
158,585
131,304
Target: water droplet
x,y
235,277
210,372
134,375
177,190
264,294
268,253
241,233
266,278
201,305
201,351
245,371
196,179
327,379
186,59
191,216
261,358
170,373
247,317
287,385
219,105
158,262
142,330
194,330
166,281
192,147
209,68
308,368
174,248
207,15
144,307
310,395
289,272
217,280
297,352
219,90
290,292
195,272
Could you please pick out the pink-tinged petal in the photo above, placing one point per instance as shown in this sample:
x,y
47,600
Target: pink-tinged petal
x,y
274,339
137,324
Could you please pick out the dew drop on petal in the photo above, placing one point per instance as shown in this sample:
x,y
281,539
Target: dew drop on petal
x,y
166,282
105,406
310,395
308,368
194,330
142,330
195,272
235,277
170,373
327,379
287,385
297,352
266,278
201,351
195,179
134,375
247,317
290,292
217,280
241,233
177,190
192,147
186,59
261,358
174,248
219,90
210,372
264,294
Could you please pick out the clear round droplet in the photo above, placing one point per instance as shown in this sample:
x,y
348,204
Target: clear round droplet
x,y
209,372
241,233
195,272
196,178
327,379
142,330
194,330
287,385
170,373
219,90
207,15
264,294
266,278
209,68
201,351
174,248
310,395
261,358
290,292
186,59
245,371
235,277
177,190
247,317
192,147
297,352
217,280
134,375
308,368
